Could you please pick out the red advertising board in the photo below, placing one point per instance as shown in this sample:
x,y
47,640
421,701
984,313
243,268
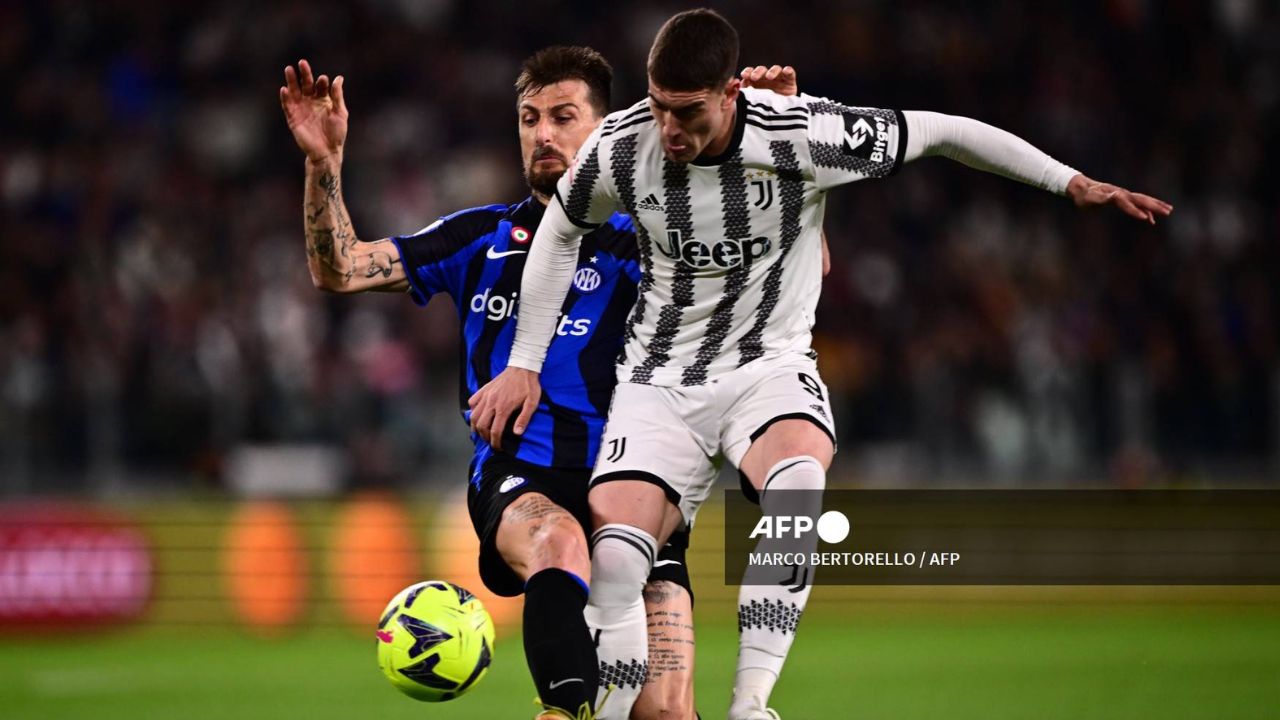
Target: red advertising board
x,y
71,565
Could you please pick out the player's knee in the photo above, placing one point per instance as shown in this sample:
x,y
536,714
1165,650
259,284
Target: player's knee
x,y
798,437
559,542
797,472
628,502
784,441
809,442
621,557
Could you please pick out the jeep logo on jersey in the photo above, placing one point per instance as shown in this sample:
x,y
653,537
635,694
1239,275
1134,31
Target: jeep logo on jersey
x,y
723,254
586,280
861,140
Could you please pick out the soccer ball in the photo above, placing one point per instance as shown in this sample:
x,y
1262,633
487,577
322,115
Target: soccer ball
x,y
435,641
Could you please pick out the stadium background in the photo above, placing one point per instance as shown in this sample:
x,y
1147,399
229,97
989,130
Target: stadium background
x,y
163,354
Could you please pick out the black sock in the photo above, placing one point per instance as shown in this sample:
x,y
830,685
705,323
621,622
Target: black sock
x,y
557,643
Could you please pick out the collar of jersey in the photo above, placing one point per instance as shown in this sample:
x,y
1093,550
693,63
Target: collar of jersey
x,y
739,126
529,212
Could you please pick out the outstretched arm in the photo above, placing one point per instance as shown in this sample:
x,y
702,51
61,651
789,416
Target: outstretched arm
x,y
991,149
339,261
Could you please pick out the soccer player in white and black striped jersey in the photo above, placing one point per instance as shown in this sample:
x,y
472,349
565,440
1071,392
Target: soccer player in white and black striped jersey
x,y
727,188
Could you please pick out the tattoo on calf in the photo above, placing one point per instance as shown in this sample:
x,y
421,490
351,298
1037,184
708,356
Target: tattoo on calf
x,y
659,592
670,644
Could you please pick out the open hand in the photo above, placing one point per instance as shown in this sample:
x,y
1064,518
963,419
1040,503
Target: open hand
x,y
1087,192
315,111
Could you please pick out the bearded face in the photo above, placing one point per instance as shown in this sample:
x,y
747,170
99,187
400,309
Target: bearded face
x,y
554,122
543,168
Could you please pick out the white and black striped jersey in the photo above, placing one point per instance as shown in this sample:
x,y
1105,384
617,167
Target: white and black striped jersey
x,y
730,246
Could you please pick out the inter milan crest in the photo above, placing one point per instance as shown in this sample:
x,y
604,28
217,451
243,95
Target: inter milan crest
x,y
586,280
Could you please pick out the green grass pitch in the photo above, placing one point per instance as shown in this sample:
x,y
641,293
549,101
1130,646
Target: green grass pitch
x,y
862,660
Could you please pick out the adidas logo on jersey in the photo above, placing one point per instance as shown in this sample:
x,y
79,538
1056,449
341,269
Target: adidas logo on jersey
x,y
650,202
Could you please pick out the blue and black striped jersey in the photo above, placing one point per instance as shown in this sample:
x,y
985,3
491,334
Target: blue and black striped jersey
x,y
477,257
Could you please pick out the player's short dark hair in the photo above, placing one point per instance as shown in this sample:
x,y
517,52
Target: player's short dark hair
x,y
694,50
555,64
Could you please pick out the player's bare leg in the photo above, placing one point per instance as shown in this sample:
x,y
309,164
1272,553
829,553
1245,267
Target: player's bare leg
x,y
545,546
668,686
632,518
536,534
790,455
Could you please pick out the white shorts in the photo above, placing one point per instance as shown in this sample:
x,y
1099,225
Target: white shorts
x,y
678,437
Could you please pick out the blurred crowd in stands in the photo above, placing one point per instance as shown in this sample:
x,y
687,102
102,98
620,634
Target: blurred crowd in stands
x,y
156,311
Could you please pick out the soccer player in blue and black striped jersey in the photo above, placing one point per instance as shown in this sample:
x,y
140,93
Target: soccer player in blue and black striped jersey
x,y
529,503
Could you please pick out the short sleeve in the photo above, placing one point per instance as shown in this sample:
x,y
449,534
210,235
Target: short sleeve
x,y
436,257
587,191
847,144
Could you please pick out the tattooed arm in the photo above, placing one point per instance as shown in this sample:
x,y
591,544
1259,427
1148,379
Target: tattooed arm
x,y
339,261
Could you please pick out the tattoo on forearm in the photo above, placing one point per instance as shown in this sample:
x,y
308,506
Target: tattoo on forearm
x,y
331,241
317,209
329,183
323,239
314,217
379,264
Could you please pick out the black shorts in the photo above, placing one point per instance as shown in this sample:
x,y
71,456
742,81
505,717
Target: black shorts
x,y
503,479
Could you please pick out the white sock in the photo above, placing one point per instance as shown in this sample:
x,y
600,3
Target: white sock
x,y
621,558
772,599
